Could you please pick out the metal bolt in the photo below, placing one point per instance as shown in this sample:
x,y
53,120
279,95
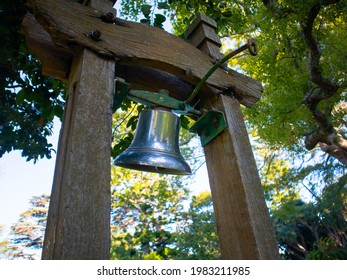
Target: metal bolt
x,y
95,34
110,17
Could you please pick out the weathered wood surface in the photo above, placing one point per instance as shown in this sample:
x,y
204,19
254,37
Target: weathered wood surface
x,y
243,223
55,60
78,225
202,34
69,24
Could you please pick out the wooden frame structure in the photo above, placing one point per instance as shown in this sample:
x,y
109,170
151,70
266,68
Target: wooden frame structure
x,y
75,43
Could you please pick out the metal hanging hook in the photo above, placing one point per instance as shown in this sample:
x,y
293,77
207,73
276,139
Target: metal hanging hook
x,y
253,50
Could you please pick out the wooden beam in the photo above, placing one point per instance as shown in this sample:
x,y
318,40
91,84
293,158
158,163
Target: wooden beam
x,y
151,79
71,24
78,224
243,223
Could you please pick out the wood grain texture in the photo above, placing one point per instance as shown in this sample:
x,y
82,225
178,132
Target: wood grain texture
x,y
243,223
78,224
55,60
202,34
69,24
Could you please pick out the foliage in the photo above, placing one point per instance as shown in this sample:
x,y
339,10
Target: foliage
x,y
149,221
145,209
28,101
287,114
157,20
197,238
313,231
309,215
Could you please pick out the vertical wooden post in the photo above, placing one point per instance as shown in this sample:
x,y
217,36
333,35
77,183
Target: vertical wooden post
x,y
243,223
78,225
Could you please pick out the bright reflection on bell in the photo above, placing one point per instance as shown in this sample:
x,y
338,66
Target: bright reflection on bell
x,y
155,147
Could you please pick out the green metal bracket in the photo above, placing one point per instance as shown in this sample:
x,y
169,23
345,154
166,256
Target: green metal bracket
x,y
161,98
209,126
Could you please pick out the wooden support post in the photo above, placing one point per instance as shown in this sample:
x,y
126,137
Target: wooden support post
x,y
78,225
243,223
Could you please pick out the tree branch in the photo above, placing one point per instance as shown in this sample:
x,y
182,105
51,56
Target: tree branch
x,y
335,151
329,139
314,54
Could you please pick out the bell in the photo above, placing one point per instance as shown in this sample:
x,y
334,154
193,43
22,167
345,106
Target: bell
x,y
155,145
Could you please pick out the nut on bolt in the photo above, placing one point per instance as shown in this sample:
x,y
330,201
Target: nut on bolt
x,y
95,34
110,17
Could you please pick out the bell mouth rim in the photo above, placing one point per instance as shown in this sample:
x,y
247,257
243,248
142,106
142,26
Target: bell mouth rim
x,y
155,161
145,150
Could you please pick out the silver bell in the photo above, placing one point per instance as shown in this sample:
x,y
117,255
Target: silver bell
x,y
155,147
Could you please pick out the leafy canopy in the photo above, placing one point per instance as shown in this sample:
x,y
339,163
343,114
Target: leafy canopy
x,y
28,100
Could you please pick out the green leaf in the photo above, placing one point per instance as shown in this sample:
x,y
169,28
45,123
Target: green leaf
x,y
185,122
146,9
159,18
145,21
132,122
20,97
158,21
58,111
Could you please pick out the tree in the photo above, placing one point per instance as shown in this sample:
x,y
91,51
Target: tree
x,y
309,215
197,238
313,231
26,237
146,209
303,75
